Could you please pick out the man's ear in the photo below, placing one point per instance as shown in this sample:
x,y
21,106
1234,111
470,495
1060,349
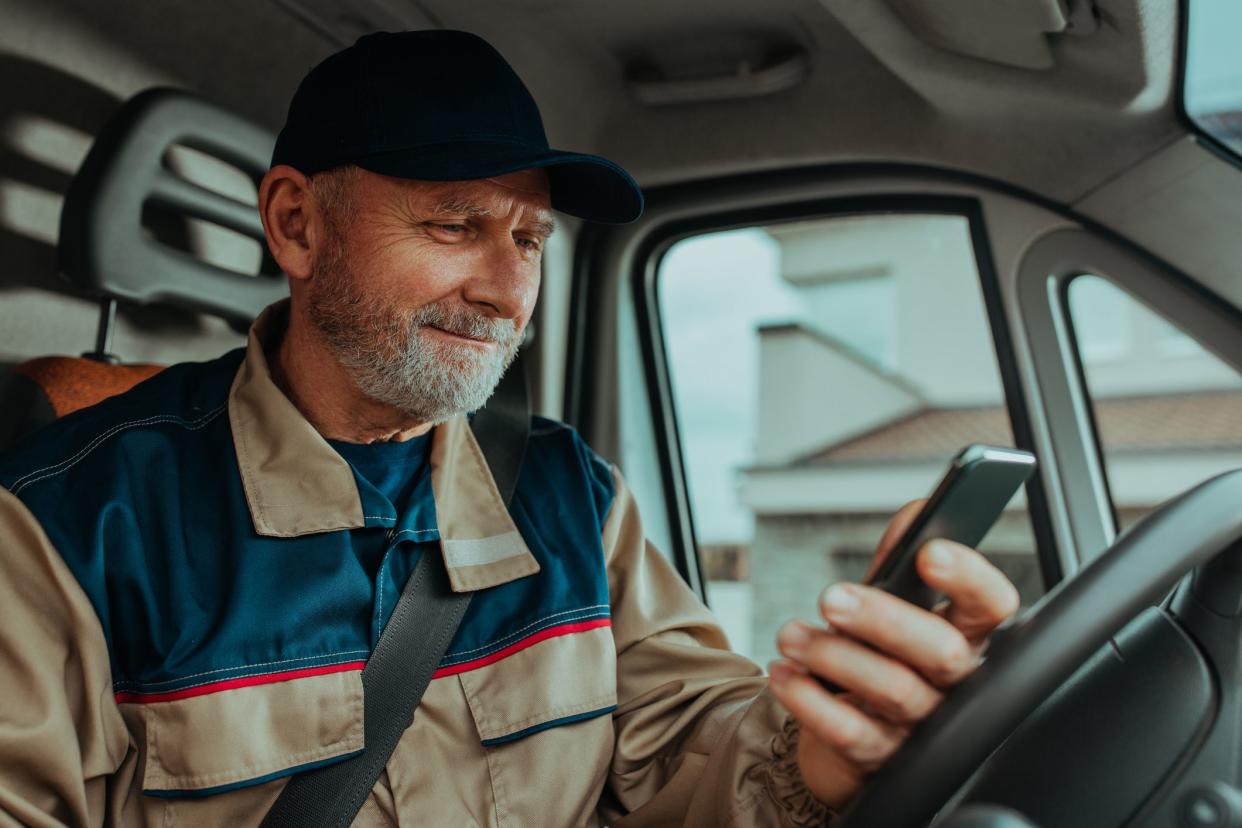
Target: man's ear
x,y
291,220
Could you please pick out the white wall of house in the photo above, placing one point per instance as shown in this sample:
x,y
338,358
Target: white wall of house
x,y
817,391
1129,350
838,487
935,297
813,393
1137,480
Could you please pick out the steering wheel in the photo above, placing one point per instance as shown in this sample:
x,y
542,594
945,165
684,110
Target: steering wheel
x,y
1043,648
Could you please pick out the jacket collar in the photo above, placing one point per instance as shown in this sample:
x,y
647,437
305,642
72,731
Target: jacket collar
x,y
296,484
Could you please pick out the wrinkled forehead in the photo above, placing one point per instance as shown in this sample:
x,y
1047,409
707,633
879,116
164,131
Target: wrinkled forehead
x,y
520,194
529,182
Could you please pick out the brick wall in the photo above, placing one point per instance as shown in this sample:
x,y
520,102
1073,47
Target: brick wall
x,y
794,558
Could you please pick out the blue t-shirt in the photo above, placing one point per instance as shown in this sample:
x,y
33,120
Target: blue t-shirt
x,y
398,472
393,468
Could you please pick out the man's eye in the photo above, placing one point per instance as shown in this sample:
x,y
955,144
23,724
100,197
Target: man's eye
x,y
451,228
529,244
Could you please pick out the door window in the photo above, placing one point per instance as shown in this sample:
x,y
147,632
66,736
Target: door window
x,y
1212,91
1168,413
823,373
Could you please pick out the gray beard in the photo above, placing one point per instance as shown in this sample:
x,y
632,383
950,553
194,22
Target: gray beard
x,y
429,380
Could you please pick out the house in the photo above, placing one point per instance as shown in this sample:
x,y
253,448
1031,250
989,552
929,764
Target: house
x,y
863,400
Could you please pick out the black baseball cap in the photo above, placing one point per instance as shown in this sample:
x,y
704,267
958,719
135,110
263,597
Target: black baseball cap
x,y
440,105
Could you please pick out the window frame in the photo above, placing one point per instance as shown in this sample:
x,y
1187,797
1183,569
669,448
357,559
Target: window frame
x,y
642,282
1080,372
1045,272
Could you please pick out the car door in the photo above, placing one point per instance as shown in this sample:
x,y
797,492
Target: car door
x,y
779,362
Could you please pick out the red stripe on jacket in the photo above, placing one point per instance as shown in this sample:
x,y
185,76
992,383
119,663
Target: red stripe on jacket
x,y
133,697
234,684
542,635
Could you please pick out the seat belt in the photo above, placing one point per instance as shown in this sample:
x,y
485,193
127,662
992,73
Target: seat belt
x,y
413,642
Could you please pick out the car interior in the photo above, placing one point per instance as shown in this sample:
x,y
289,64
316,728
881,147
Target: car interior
x,y
875,232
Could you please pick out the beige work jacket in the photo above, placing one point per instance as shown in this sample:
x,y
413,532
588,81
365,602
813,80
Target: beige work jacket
x,y
693,736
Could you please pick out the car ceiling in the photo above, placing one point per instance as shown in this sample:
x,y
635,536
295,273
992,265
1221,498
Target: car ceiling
x,y
880,85
1061,97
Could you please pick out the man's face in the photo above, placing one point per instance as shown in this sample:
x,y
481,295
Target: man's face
x,y
424,289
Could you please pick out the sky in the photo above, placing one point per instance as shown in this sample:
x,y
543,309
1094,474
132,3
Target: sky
x,y
715,291
1214,60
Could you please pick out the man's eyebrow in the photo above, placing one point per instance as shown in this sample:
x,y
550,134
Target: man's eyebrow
x,y
457,206
544,224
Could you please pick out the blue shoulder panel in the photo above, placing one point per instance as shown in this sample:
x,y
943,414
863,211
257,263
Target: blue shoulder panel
x,y
142,497
563,497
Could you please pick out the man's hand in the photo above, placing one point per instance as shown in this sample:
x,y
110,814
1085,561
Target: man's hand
x,y
892,658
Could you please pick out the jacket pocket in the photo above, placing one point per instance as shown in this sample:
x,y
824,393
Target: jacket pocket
x,y
556,680
235,738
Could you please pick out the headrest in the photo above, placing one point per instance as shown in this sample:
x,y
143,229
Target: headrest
x,y
104,247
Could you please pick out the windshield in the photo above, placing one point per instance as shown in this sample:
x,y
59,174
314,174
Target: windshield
x,y
1213,81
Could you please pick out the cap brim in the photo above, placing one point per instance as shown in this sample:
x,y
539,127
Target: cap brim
x,y
586,186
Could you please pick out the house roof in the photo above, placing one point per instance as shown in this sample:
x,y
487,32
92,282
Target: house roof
x,y
1180,422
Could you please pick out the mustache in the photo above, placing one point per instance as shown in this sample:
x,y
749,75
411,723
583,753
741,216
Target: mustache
x,y
465,322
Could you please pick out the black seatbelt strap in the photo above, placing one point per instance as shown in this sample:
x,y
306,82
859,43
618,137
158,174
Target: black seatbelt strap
x,y
413,642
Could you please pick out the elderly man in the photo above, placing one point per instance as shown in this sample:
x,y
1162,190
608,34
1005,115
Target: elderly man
x,y
197,571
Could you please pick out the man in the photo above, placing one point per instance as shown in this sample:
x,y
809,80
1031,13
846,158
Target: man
x,y
196,571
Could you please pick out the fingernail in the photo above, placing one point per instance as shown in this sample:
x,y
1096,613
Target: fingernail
x,y
779,672
839,601
793,639
939,556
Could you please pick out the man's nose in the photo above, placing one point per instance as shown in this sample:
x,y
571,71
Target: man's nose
x,y
506,282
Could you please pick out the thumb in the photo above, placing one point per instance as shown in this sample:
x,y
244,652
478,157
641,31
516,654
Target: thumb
x,y
900,522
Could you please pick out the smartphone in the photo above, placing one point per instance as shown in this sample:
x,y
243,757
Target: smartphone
x,y
980,481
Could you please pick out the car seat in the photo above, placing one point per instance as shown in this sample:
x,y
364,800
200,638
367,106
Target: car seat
x,y
107,250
